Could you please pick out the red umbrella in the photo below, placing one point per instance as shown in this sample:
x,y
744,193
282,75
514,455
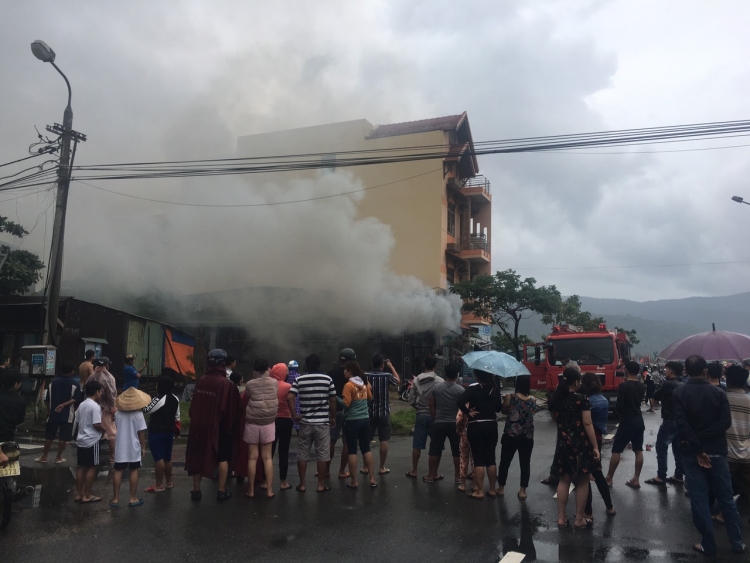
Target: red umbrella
x,y
713,346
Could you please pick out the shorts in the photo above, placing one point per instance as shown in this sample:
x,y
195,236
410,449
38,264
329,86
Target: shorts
x,y
317,435
357,431
482,438
629,431
226,447
88,457
383,426
255,434
66,430
160,444
127,465
108,424
422,428
441,431
336,432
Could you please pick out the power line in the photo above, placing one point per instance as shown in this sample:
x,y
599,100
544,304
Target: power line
x,y
631,266
257,204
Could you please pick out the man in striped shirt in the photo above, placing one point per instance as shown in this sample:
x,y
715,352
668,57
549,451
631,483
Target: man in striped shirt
x,y
380,416
738,435
317,414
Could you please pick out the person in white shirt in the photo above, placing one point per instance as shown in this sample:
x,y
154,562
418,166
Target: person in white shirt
x,y
88,420
130,442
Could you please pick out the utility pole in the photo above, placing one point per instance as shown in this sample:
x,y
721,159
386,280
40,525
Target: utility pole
x,y
45,54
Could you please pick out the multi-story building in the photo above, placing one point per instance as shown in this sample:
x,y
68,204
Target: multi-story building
x,y
439,209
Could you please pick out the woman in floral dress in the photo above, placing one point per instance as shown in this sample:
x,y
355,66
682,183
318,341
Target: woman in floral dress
x,y
518,434
577,453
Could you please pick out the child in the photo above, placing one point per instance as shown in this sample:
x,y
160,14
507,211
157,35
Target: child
x,y
130,442
162,428
62,395
88,420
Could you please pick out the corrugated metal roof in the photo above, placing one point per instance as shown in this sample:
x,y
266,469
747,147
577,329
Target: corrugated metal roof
x,y
447,123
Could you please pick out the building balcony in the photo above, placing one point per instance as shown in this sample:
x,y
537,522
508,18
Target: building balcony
x,y
476,249
454,247
478,188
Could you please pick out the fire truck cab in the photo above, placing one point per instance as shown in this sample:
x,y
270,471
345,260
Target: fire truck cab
x,y
600,351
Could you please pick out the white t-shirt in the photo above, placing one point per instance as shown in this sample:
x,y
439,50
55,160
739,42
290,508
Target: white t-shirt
x,y
127,444
88,414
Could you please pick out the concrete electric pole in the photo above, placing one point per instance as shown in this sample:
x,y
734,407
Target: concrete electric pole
x,y
43,52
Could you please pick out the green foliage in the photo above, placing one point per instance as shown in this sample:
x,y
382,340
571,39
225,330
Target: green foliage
x,y
403,421
505,299
502,343
21,267
570,312
631,334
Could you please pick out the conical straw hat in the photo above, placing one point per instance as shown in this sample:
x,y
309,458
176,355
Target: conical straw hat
x,y
132,400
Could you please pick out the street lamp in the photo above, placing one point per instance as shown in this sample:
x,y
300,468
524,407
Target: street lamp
x,y
738,199
44,53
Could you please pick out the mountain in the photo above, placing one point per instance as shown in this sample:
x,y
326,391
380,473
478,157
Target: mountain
x,y
660,323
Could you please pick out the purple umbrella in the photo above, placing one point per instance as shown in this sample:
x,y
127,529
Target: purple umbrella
x,y
713,346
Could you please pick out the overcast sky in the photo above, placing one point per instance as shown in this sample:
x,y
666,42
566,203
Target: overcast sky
x,y
157,80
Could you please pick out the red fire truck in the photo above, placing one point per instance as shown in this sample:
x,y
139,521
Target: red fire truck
x,y
601,351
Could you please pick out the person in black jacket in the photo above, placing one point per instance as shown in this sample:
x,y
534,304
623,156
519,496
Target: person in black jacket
x,y
668,433
703,417
484,402
162,428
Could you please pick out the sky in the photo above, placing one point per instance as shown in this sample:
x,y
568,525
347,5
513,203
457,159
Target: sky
x,y
167,80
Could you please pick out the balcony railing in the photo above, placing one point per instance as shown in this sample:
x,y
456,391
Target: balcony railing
x,y
476,242
479,182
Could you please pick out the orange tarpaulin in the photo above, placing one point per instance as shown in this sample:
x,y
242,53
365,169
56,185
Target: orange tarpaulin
x,y
178,352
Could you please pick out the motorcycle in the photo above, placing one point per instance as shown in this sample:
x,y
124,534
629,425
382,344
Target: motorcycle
x,y
8,488
405,388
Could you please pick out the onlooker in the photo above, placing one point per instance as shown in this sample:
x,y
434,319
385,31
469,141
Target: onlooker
x,y
650,389
88,421
163,427
62,394
630,431
130,444
518,435
107,401
380,419
715,371
419,398
443,411
215,427
86,369
591,387
339,380
283,423
466,462
260,424
290,379
317,405
132,375
668,432
738,435
703,416
576,454
357,393
481,402
230,365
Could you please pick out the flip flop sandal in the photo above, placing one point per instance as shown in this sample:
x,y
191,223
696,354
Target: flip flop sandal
x,y
655,482
373,485
92,500
586,524
675,481
169,486
196,495
272,495
153,489
40,460
632,485
564,524
364,472
410,475
426,480
699,548
285,488
345,475
325,489
139,502
522,496
350,486
384,472
59,461
223,495
114,504
249,495
475,497
299,490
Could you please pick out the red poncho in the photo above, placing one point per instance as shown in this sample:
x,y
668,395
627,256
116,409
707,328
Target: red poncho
x,y
215,408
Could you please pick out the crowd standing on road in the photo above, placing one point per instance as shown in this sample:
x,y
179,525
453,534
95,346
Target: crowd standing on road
x,y
237,427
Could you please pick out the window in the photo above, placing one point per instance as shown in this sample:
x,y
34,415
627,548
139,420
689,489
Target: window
x,y
450,275
452,219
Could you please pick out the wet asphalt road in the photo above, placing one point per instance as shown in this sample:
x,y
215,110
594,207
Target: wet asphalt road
x,y
401,520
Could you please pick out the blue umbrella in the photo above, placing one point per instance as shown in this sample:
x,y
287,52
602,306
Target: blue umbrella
x,y
497,363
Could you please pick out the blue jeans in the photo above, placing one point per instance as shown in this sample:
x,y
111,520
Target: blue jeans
x,y
699,480
668,434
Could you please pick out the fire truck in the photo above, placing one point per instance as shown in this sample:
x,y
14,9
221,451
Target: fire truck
x,y
601,351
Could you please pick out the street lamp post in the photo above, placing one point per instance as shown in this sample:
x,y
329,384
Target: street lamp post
x,y
45,54
738,199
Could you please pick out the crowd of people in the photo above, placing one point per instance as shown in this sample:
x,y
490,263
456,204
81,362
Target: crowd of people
x,y
237,428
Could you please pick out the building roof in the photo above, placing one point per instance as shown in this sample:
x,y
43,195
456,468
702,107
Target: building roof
x,y
447,123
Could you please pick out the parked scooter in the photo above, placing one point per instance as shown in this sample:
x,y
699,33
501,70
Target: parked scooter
x,y
8,488
405,388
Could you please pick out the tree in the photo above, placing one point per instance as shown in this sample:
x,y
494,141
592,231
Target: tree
x,y
20,268
631,334
505,299
570,312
